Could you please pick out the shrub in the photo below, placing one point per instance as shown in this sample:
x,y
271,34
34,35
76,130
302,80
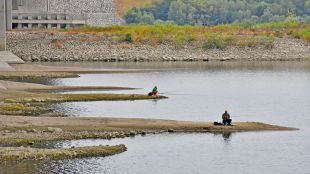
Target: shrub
x,y
217,42
303,34
268,42
128,38
264,41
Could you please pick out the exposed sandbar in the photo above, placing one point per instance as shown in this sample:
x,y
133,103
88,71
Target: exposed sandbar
x,y
27,153
124,124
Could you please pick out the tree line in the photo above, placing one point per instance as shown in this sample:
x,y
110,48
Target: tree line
x,y
214,12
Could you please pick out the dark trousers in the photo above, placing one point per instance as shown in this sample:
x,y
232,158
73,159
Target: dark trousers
x,y
227,122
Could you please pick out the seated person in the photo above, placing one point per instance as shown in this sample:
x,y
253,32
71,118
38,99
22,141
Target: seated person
x,y
226,118
154,92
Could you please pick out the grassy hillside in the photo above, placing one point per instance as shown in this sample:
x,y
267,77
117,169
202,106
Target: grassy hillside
x,y
123,6
218,37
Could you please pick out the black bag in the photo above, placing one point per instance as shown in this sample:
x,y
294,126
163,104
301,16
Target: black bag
x,y
218,124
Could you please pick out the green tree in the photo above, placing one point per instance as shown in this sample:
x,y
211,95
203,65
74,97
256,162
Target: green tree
x,y
213,12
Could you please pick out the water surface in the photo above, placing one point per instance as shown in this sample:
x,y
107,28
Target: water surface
x,y
276,93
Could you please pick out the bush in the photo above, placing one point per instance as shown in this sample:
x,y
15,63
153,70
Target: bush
x,y
268,42
217,42
128,38
303,34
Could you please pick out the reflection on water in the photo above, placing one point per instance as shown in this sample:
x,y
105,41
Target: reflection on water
x,y
267,152
276,93
226,136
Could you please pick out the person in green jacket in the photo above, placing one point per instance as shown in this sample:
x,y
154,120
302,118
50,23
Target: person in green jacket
x,y
154,92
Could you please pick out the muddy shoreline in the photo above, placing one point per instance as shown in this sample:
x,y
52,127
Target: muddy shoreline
x,y
22,131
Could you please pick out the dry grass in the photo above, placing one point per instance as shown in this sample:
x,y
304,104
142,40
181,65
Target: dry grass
x,y
241,35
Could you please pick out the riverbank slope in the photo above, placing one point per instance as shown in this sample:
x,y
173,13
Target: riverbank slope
x,y
163,42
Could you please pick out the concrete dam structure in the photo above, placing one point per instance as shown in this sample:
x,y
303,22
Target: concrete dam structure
x,y
28,14
4,13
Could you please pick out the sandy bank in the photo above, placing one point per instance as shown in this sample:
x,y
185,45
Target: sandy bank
x,y
9,85
33,68
36,131
105,124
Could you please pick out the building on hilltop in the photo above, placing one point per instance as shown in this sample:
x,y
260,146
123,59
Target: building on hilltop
x,y
62,13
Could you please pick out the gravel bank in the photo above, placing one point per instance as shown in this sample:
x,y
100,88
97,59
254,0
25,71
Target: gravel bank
x,y
58,46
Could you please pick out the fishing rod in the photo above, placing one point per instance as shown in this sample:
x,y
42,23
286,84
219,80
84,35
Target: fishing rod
x,y
172,93
167,92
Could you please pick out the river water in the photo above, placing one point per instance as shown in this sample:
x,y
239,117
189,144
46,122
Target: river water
x,y
270,92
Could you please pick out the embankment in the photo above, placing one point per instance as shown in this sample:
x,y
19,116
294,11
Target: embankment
x,y
64,46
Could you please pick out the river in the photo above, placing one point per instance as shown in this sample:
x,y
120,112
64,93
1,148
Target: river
x,y
270,92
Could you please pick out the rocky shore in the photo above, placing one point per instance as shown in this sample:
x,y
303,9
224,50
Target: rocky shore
x,y
60,46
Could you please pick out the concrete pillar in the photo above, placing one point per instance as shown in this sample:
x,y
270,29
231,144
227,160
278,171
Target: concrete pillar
x,y
20,25
2,26
39,25
14,5
47,5
49,26
58,26
30,24
8,11
68,26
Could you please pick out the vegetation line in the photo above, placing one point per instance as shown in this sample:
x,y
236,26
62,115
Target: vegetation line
x,y
214,37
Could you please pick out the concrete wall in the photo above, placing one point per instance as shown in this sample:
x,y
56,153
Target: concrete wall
x,y
37,5
82,6
95,12
14,5
2,25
